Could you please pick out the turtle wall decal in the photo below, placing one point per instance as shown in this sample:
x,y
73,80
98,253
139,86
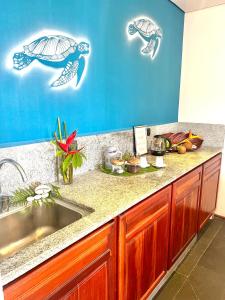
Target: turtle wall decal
x,y
56,51
149,32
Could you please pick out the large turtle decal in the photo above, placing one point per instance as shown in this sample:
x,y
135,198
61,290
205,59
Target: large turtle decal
x,y
56,51
150,32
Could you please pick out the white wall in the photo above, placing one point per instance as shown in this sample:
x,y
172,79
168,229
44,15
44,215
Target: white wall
x,y
202,94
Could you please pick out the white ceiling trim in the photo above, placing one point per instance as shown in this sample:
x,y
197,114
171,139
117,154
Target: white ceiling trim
x,y
193,5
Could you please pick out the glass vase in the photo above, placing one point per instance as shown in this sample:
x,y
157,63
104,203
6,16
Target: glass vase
x,y
68,175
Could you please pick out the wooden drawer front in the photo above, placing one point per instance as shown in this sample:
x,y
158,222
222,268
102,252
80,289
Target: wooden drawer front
x,y
69,274
143,246
190,181
212,166
143,213
91,284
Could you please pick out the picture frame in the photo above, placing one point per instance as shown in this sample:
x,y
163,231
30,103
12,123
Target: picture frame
x,y
140,140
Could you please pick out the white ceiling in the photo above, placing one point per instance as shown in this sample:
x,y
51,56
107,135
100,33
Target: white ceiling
x,y
192,5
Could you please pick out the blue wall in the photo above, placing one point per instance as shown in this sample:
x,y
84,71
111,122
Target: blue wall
x,y
122,88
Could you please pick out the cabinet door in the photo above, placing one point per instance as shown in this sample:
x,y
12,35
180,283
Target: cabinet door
x,y
210,181
184,217
84,271
143,246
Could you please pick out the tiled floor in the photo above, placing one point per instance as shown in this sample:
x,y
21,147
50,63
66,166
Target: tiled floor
x,y
201,276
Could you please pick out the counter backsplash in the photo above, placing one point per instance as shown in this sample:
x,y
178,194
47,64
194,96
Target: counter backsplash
x,y
38,160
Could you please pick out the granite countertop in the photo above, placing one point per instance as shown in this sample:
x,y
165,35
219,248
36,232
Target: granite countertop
x,y
109,196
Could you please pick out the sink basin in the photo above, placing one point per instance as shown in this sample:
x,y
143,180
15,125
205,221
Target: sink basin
x,y
26,225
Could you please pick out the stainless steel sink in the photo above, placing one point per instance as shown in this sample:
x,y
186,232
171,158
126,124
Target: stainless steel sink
x,y
26,225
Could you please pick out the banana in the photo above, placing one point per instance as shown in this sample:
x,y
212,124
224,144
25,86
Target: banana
x,y
188,140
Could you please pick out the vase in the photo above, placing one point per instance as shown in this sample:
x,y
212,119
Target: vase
x,y
68,175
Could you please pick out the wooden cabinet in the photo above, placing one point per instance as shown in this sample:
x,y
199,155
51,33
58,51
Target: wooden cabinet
x,y
150,238
143,246
210,181
84,271
184,216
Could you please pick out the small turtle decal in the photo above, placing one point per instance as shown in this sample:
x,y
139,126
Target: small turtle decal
x,y
149,32
55,51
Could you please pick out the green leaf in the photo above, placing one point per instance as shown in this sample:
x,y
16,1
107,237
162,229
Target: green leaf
x,y
59,128
59,153
36,202
66,163
74,161
77,160
51,200
83,155
20,195
65,130
55,191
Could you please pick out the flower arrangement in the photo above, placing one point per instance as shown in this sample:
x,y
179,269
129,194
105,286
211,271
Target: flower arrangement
x,y
66,149
36,194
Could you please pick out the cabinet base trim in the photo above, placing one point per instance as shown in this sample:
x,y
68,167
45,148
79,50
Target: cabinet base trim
x,y
219,216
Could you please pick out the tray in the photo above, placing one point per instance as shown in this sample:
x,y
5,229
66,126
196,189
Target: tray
x,y
127,174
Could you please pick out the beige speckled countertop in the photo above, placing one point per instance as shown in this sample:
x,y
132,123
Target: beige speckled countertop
x,y
109,196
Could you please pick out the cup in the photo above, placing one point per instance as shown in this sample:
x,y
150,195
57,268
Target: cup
x,y
159,162
143,162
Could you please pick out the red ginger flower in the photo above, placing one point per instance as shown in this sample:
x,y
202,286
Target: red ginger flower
x,y
65,146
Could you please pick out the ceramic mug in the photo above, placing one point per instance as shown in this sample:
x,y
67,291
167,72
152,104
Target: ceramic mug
x,y
159,162
143,162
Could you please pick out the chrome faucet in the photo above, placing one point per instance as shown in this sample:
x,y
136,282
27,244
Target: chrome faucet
x,y
4,199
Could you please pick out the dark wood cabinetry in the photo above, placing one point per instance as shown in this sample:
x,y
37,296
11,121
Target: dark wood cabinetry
x,y
210,181
143,246
84,271
184,217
